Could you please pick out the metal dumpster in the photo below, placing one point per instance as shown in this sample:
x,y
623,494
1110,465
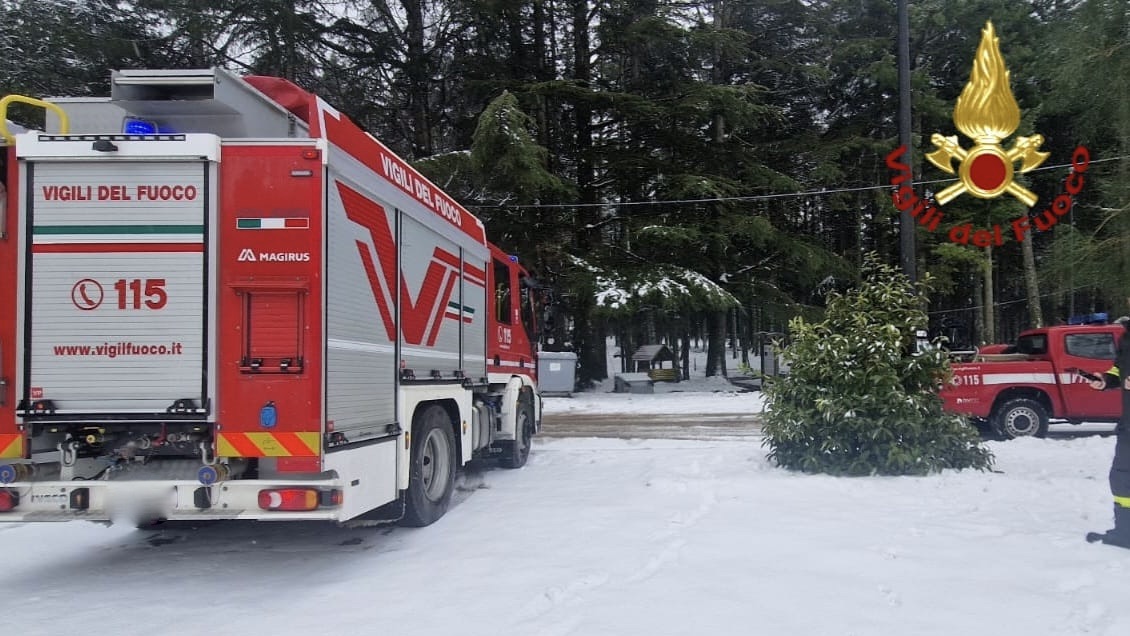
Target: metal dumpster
x,y
557,372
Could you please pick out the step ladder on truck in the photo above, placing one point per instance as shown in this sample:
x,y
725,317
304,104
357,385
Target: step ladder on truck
x,y
222,299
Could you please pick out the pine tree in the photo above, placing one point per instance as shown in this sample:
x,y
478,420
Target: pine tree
x,y
50,48
1089,104
507,158
859,399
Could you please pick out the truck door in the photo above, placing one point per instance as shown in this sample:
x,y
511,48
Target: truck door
x,y
1091,351
115,277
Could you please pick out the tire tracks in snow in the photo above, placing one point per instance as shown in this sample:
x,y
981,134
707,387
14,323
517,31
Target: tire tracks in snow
x,y
664,547
1088,616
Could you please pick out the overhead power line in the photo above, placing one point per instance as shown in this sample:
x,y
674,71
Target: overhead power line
x,y
754,197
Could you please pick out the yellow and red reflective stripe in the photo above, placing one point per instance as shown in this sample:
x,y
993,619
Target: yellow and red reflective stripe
x,y
299,444
236,445
11,445
1122,501
268,444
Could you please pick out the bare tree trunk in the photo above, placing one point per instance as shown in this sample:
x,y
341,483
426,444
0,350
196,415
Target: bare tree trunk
x,y
627,348
416,68
738,343
650,333
990,303
591,347
977,335
544,73
1031,282
685,352
716,343
588,339
582,73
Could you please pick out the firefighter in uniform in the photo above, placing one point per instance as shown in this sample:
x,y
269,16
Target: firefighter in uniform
x,y
1119,377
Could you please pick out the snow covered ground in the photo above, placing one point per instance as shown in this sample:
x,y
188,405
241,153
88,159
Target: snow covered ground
x,y
623,537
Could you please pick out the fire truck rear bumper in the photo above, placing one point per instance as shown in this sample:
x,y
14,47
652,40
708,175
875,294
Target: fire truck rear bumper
x,y
148,501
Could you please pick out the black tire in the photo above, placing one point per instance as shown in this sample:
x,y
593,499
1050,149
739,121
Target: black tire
x,y
515,453
1021,417
150,524
983,426
431,474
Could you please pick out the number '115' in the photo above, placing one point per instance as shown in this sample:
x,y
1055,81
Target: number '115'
x,y
131,293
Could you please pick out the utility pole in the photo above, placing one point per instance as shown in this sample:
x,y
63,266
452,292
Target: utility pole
x,y
906,221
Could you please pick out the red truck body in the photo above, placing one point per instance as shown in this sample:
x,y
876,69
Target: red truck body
x,y
222,299
1018,390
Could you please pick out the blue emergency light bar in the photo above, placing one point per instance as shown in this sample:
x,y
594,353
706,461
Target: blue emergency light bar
x,y
1099,318
136,126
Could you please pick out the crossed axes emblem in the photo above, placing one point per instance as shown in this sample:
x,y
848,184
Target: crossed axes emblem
x,y
986,170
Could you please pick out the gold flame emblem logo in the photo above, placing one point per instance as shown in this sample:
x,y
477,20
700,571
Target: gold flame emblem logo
x,y
987,112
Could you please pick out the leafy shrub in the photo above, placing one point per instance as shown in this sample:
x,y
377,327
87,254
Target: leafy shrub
x,y
858,399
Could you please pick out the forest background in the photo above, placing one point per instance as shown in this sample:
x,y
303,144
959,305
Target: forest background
x,y
678,171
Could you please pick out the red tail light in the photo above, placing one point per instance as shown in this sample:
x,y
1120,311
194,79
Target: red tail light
x,y
288,499
9,499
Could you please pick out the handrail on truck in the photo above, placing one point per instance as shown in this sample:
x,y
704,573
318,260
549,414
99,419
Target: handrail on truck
x,y
64,124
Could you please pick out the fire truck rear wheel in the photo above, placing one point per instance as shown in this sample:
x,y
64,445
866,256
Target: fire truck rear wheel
x,y
431,473
1022,418
150,523
516,453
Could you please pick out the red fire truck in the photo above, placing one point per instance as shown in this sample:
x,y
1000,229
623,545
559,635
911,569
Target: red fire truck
x,y
1015,390
222,299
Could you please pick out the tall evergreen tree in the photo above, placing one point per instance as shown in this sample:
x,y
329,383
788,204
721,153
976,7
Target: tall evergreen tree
x,y
1088,98
68,47
511,167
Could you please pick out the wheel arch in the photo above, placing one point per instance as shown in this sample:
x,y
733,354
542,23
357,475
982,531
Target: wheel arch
x,y
452,409
1039,396
515,388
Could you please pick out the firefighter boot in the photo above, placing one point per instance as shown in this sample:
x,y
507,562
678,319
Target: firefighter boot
x,y
1119,535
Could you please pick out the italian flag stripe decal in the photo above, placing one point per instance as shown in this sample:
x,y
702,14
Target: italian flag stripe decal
x,y
110,238
460,312
456,308
293,223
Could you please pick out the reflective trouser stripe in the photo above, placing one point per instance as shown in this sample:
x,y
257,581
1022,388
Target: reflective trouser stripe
x,y
1122,501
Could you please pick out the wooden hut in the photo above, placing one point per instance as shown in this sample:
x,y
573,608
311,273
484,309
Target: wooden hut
x,y
658,361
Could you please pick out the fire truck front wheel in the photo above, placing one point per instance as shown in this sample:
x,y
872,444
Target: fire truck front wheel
x,y
431,474
1021,417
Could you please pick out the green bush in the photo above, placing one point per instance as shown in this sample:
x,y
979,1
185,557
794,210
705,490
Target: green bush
x,y
858,399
